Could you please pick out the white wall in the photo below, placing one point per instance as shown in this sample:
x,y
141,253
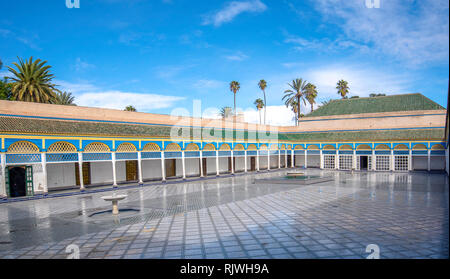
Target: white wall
x,y
437,163
38,178
273,161
419,162
101,172
121,171
447,161
223,164
239,163
313,161
211,165
300,160
263,162
192,166
61,175
151,169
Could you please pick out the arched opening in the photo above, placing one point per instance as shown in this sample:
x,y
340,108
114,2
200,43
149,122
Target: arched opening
x,y
19,179
251,163
312,156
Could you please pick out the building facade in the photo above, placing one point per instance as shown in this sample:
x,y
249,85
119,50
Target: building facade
x,y
50,147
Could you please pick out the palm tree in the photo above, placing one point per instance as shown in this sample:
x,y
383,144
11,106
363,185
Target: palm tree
x,y
1,64
326,102
342,87
225,112
294,109
376,95
64,98
259,105
263,85
33,82
311,95
234,87
297,93
130,108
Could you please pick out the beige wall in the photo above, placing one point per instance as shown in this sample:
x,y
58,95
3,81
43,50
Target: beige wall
x,y
344,122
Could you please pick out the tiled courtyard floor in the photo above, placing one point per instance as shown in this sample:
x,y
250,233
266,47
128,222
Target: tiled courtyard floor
x,y
406,215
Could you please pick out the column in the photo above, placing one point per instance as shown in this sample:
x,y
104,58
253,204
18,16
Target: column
x,y
279,158
306,158
374,161
321,159
268,159
285,159
140,167
429,159
44,171
336,160
217,163
410,160
292,158
201,163
3,185
257,160
354,159
163,167
80,170
245,160
113,156
392,163
183,163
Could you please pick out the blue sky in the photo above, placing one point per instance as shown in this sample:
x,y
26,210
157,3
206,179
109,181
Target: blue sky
x,y
160,55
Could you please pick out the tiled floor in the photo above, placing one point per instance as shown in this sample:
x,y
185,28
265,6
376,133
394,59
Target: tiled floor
x,y
406,215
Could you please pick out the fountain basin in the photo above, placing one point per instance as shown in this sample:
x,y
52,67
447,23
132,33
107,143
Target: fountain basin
x,y
115,202
295,179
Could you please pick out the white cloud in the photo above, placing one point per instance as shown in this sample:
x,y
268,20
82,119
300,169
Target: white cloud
x,y
170,71
233,9
81,65
87,94
412,31
239,56
276,115
5,74
362,81
324,45
208,84
119,99
75,88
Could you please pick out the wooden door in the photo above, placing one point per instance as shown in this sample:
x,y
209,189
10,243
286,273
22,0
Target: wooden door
x,y
131,170
170,167
205,169
252,163
86,173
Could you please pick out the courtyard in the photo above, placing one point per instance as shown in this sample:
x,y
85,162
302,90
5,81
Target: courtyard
x,y
404,214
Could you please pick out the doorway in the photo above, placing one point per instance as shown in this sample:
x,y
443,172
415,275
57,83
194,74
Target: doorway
x,y
252,163
131,170
289,160
17,182
363,162
205,169
86,166
170,167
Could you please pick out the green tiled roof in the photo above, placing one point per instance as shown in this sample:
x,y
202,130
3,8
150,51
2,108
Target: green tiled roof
x,y
60,127
405,102
386,135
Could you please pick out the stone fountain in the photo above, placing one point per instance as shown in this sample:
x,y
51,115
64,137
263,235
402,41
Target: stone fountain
x,y
114,198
